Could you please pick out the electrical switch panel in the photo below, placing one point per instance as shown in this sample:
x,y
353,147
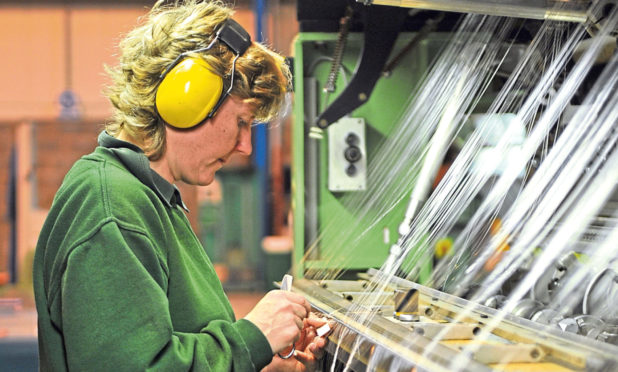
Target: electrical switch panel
x,y
347,155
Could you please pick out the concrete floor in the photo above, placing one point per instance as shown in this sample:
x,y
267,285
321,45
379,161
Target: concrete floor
x,y
18,329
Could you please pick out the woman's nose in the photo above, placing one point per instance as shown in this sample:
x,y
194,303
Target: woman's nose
x,y
244,141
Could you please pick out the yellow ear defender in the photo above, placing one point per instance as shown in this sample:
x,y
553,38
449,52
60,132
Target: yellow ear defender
x,y
189,92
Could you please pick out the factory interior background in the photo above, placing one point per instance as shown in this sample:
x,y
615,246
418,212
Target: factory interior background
x,y
444,184
51,112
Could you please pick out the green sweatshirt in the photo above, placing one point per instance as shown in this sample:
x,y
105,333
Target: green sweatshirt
x,y
122,283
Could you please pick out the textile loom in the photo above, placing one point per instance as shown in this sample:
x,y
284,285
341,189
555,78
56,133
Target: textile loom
x,y
454,182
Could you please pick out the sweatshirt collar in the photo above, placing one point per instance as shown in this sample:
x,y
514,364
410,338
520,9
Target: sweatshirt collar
x,y
137,163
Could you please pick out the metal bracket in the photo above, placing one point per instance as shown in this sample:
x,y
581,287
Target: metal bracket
x,y
381,28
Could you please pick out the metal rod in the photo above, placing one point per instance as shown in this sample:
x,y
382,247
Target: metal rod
x,y
570,11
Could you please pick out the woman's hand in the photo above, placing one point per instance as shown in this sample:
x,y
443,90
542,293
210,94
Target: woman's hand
x,y
309,349
280,316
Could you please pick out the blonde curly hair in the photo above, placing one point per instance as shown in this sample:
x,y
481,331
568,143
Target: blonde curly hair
x,y
261,77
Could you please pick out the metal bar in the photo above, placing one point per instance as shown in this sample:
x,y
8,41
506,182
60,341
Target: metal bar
x,y
571,348
497,352
12,214
446,331
569,11
377,333
298,159
311,156
260,154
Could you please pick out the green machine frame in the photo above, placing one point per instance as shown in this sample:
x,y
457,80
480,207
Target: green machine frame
x,y
314,205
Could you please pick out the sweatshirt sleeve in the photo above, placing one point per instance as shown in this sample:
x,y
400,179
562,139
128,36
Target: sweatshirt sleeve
x,y
115,315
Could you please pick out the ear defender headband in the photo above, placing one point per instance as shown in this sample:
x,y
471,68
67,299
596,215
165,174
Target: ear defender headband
x,y
189,91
